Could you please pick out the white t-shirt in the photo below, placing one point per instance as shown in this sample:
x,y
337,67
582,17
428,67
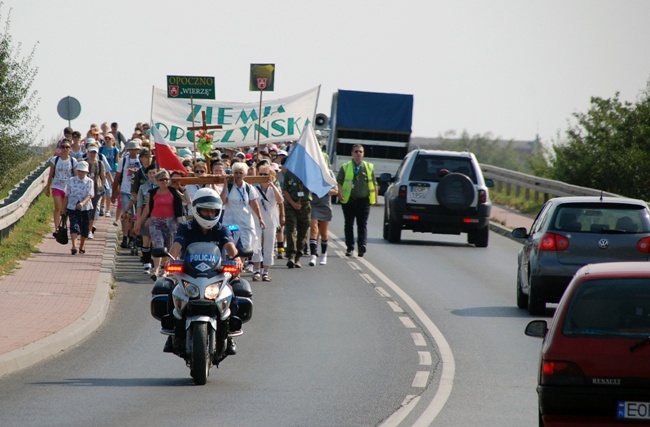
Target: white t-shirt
x,y
130,166
62,171
77,190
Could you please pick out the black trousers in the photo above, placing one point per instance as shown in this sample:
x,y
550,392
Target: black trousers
x,y
356,210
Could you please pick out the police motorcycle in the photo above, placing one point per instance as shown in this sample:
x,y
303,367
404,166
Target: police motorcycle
x,y
201,305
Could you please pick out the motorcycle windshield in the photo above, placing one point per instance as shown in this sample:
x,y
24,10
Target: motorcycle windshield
x,y
202,259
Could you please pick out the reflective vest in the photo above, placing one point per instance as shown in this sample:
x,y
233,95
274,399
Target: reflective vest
x,y
346,187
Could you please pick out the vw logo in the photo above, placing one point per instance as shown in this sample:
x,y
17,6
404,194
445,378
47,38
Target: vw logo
x,y
603,243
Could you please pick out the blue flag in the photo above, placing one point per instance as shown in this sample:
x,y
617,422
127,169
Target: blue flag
x,y
308,163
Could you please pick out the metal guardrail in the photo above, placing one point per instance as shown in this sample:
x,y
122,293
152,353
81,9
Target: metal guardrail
x,y
547,187
15,205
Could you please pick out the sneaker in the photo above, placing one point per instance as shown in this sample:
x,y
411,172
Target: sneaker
x,y
125,243
257,276
108,214
101,212
323,259
290,264
147,268
280,254
362,251
348,252
91,235
249,268
297,264
312,260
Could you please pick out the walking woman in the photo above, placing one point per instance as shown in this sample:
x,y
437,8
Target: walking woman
x,y
78,200
96,172
273,215
162,212
240,203
61,170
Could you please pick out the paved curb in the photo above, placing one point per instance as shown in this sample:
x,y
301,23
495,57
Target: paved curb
x,y
504,231
79,329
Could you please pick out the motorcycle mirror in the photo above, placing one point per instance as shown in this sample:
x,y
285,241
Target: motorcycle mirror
x,y
160,252
246,252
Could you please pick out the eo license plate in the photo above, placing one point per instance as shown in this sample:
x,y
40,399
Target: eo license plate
x,y
634,410
419,192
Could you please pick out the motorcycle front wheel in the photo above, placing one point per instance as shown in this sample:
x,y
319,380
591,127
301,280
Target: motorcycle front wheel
x,y
200,354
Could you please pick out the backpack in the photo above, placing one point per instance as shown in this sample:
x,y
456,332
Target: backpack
x,y
72,165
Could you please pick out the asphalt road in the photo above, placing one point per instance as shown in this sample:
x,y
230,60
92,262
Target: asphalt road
x,y
327,346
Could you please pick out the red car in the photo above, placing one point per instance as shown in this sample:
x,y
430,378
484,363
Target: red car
x,y
595,359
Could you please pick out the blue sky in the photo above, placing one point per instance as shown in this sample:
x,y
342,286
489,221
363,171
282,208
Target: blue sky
x,y
508,67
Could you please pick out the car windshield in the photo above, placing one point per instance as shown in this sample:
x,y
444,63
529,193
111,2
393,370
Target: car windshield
x,y
427,168
601,218
610,307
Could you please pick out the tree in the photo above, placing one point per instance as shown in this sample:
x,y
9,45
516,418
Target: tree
x,y
608,148
18,122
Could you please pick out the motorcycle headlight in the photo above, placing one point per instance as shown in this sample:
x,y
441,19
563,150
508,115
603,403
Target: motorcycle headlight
x,y
191,290
212,291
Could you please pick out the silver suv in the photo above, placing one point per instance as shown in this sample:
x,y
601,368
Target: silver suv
x,y
441,192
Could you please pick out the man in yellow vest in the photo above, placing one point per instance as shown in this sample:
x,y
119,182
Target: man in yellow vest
x,y
357,192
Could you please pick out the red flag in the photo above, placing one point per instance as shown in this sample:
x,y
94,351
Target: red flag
x,y
165,156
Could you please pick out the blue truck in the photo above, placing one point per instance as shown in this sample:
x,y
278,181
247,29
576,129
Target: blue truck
x,y
381,122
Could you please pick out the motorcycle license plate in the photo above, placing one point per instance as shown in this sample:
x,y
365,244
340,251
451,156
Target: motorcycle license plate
x,y
634,410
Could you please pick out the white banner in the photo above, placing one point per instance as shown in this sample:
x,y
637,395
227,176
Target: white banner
x,y
282,119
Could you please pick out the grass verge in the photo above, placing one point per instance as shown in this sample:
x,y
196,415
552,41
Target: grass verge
x,y
26,235
523,205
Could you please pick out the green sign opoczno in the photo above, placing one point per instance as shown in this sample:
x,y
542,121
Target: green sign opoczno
x,y
190,87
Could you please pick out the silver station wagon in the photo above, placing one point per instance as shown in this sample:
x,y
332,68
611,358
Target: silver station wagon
x,y
570,232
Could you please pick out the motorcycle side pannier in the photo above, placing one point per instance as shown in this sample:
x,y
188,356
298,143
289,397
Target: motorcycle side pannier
x,y
161,302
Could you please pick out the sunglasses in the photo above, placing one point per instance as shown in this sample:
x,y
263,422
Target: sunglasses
x,y
264,174
358,151
66,147
163,179
199,171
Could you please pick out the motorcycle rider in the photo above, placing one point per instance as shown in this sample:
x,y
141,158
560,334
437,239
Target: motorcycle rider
x,y
205,227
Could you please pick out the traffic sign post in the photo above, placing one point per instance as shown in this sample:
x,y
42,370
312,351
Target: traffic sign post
x,y
69,108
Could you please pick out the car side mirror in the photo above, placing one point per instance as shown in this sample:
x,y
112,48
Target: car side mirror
x,y
537,328
489,182
520,233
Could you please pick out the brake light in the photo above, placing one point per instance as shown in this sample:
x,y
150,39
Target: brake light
x,y
482,196
561,373
230,267
643,245
402,192
174,267
553,242
411,217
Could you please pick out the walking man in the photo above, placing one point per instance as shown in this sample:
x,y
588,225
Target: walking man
x,y
297,212
358,190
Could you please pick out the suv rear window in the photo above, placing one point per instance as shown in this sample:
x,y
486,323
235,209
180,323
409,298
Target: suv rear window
x,y
601,218
427,168
610,307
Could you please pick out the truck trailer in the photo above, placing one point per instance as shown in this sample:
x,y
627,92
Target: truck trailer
x,y
381,122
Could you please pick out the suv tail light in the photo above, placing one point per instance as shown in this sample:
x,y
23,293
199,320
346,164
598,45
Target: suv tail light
x,y
643,245
561,373
402,192
553,242
482,196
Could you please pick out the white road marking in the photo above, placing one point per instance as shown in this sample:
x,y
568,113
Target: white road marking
x,y
446,355
425,358
368,278
398,416
420,380
418,339
381,291
395,307
407,322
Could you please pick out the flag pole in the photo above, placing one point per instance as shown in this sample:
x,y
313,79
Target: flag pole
x,y
153,88
259,128
192,114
